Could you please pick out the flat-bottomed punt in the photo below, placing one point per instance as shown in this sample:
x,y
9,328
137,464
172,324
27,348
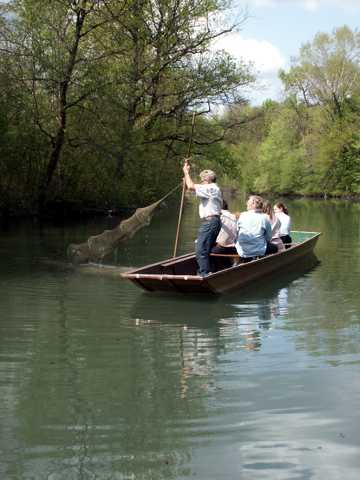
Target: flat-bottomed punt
x,y
178,274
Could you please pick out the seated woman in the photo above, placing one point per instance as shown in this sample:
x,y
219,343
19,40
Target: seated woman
x,y
275,226
225,241
254,231
282,214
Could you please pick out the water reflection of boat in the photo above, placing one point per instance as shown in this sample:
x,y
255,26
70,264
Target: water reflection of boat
x,y
179,274
200,329
261,302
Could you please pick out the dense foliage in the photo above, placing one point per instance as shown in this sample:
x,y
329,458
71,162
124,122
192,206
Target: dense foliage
x,y
309,144
97,98
97,95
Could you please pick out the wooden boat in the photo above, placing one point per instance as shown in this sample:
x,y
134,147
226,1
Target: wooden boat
x,y
178,274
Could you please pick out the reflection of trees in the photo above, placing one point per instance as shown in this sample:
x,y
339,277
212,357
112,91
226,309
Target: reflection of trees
x,y
99,398
326,325
101,381
329,301
116,380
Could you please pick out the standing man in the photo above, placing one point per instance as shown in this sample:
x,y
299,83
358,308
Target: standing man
x,y
209,210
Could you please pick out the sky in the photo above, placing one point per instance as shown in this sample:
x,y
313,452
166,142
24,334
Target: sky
x,y
275,30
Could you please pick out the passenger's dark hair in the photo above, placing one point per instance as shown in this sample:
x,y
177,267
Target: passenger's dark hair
x,y
225,205
267,208
282,206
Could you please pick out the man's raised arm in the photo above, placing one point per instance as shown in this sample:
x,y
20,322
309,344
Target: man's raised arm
x,y
188,181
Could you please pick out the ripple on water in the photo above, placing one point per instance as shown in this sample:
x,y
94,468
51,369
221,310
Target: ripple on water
x,y
100,380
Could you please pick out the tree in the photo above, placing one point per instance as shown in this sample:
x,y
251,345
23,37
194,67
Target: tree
x,y
169,71
327,71
108,85
52,54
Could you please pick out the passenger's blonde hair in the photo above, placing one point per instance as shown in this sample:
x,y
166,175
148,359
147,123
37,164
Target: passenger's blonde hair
x,y
256,202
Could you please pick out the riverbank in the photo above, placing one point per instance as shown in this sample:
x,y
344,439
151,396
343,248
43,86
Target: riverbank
x,y
64,211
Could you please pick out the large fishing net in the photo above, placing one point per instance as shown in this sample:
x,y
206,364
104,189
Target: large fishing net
x,y
97,247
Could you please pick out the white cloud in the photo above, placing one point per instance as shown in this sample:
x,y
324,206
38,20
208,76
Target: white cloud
x,y
307,4
311,5
268,86
265,57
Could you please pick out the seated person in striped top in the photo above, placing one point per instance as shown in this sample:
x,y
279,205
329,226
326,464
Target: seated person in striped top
x,y
225,241
275,226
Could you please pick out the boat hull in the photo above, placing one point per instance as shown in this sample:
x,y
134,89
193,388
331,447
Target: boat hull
x,y
179,274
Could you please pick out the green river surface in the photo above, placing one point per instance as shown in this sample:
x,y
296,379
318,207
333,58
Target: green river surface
x,y
100,380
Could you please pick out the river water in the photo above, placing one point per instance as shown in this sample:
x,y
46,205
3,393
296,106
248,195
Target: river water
x,y
99,380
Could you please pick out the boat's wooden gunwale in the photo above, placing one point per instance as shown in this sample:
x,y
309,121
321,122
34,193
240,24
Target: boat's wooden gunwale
x,y
259,268
158,276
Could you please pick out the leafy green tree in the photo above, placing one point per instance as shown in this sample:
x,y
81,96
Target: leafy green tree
x,y
339,159
168,72
51,52
309,143
106,88
327,71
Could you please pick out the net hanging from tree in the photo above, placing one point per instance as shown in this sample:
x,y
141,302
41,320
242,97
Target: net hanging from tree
x,y
97,247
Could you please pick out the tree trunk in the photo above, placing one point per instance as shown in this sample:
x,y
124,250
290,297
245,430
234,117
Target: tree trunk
x,y
59,138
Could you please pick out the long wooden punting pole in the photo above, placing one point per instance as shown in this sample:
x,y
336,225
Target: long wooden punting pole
x,y
183,189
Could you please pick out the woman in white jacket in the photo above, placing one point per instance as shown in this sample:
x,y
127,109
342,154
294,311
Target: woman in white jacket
x,y
282,214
